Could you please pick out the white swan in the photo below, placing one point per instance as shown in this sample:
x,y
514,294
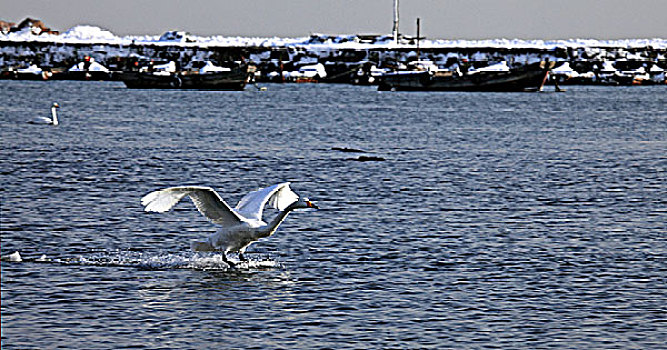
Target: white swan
x,y
242,225
54,116
13,257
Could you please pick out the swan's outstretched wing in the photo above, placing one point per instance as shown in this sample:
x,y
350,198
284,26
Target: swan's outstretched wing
x,y
205,199
278,196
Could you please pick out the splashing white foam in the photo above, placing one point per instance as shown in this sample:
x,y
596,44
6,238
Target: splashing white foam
x,y
161,261
153,261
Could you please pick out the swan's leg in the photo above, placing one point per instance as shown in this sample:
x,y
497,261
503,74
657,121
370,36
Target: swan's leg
x,y
224,258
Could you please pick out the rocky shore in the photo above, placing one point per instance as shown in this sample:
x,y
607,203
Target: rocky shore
x,y
86,52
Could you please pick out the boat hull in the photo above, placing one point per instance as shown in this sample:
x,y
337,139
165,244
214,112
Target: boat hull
x,y
529,78
24,75
236,79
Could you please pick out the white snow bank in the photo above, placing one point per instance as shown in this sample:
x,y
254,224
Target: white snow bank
x,y
656,69
312,71
93,67
177,37
608,67
498,67
95,35
210,67
87,33
32,69
169,67
565,70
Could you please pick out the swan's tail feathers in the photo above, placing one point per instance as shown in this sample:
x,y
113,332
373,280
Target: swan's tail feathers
x,y
163,200
201,246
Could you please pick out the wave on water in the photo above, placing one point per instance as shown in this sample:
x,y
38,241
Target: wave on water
x,y
153,261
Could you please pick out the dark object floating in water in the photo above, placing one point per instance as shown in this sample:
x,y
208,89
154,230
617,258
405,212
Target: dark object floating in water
x,y
368,159
360,158
347,150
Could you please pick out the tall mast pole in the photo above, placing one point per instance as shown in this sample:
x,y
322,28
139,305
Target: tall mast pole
x,y
395,30
418,34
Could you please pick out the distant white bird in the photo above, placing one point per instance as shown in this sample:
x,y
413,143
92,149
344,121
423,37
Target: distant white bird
x,y
54,116
13,257
242,225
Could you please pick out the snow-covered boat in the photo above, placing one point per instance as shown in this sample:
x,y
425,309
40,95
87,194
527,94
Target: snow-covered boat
x,y
32,72
88,69
494,78
219,79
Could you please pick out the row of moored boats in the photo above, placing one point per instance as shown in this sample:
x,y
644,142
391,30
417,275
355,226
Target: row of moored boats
x,y
417,75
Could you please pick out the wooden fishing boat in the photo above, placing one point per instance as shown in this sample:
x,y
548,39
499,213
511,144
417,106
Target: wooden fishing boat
x,y
231,79
528,78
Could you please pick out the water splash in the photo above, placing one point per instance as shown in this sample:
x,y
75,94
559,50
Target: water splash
x,y
160,261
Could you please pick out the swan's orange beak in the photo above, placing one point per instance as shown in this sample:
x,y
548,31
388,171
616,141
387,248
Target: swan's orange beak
x,y
312,205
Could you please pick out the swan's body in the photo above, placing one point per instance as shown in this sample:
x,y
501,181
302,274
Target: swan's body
x,y
242,225
54,116
13,257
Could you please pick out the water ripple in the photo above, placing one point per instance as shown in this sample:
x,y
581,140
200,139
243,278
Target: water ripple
x,y
490,223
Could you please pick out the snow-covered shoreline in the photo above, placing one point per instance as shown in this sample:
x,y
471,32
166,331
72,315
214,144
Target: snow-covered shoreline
x,y
339,58
86,34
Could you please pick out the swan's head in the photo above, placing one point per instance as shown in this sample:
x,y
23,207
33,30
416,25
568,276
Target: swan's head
x,y
55,105
304,203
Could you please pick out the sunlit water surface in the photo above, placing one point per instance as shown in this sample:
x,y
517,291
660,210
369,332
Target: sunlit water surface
x,y
484,220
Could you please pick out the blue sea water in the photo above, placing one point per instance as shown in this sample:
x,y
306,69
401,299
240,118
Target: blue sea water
x,y
482,220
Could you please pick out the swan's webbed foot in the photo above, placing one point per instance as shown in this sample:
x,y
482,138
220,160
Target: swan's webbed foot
x,y
224,258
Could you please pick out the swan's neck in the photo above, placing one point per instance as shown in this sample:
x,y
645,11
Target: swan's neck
x,y
54,116
273,225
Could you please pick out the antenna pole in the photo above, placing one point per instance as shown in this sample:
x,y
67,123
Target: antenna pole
x,y
395,30
418,34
